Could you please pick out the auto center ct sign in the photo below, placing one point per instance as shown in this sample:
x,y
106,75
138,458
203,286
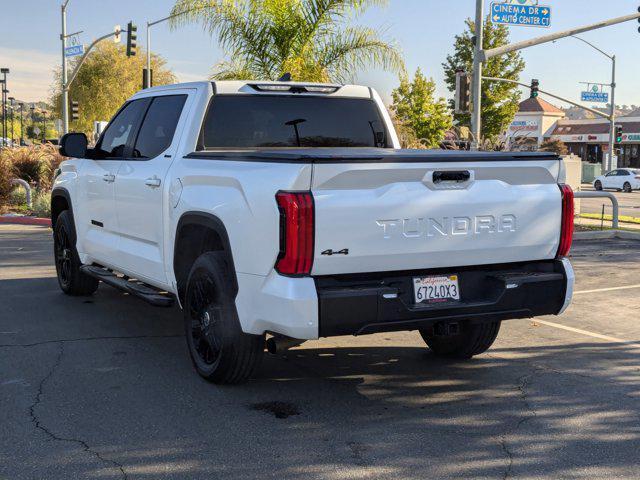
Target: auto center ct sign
x,y
521,13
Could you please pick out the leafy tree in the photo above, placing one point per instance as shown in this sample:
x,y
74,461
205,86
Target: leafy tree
x,y
499,100
106,79
416,110
311,39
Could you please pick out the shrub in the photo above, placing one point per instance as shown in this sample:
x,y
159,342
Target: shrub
x,y
35,164
7,172
17,197
42,205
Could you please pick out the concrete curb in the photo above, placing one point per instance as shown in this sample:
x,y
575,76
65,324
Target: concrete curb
x,y
24,220
606,234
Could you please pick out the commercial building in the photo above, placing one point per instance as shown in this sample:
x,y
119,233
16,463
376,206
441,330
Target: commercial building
x,y
537,120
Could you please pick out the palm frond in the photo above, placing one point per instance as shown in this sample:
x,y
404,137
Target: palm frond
x,y
357,48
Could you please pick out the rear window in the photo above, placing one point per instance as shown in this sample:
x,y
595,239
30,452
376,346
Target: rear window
x,y
261,121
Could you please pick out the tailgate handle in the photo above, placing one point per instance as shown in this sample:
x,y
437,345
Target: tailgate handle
x,y
451,176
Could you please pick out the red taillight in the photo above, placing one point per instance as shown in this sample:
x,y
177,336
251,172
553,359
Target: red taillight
x,y
637,177
296,233
566,231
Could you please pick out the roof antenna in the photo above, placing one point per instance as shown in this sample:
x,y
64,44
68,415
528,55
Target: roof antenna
x,y
285,78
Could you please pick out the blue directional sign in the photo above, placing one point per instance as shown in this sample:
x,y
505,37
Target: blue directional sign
x,y
599,97
74,51
521,15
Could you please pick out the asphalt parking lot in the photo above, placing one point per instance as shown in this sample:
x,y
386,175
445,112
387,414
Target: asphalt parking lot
x,y
103,388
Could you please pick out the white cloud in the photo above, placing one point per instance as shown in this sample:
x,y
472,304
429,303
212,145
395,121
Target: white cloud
x,y
31,73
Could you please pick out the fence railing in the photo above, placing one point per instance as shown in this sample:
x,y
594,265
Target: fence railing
x,y
610,196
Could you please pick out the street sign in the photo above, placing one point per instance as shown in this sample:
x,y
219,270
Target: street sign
x,y
74,51
598,97
117,30
521,14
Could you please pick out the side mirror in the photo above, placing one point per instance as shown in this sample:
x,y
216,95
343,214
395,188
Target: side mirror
x,y
74,145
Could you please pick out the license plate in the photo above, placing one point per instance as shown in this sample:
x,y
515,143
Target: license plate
x,y
438,289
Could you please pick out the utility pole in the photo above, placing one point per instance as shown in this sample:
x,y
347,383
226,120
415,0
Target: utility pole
x,y
65,87
476,95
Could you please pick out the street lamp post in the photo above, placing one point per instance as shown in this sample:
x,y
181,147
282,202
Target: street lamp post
x,y
4,72
21,124
65,87
11,100
148,82
33,118
608,163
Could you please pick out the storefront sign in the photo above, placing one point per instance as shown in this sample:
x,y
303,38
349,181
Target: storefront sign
x,y
523,126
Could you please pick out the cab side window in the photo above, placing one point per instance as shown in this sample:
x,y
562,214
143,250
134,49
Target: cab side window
x,y
159,126
118,134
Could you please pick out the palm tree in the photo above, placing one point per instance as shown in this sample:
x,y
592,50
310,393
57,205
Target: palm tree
x,y
310,39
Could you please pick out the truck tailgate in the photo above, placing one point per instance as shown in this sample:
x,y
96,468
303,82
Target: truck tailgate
x,y
379,216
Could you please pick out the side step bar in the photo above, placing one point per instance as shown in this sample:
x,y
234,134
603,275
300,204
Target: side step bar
x,y
145,292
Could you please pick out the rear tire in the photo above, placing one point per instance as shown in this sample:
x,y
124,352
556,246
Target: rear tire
x,y
220,351
627,187
472,340
598,185
71,280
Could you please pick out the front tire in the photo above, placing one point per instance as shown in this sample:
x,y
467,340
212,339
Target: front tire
x,y
598,185
220,351
472,340
71,280
627,187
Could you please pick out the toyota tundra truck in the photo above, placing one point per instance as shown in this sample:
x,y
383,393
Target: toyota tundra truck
x,y
278,212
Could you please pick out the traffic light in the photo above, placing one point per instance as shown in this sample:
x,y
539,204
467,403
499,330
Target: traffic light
x,y
463,92
535,87
75,110
132,39
618,133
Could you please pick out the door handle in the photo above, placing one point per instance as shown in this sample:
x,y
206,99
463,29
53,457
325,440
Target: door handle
x,y
152,182
109,177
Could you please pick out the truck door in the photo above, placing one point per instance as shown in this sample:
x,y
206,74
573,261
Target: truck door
x,y
141,188
94,212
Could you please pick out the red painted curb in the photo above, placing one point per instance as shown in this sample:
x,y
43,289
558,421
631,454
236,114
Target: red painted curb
x,y
43,222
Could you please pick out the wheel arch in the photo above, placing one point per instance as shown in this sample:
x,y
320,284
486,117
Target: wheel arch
x,y
60,201
195,234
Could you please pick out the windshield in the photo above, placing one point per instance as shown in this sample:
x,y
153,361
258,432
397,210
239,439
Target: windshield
x,y
259,121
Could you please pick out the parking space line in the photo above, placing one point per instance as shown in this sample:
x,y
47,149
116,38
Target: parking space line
x,y
611,289
590,334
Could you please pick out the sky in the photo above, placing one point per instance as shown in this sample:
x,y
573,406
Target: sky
x,y
423,29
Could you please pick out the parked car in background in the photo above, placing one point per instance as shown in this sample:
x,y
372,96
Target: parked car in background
x,y
622,179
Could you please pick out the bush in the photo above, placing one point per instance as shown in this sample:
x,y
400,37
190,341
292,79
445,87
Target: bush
x,y
42,205
17,197
35,164
7,172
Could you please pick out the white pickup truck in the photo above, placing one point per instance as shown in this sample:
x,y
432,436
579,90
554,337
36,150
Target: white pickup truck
x,y
287,211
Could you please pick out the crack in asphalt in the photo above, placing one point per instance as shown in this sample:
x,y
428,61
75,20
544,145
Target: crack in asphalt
x,y
522,383
37,422
87,339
